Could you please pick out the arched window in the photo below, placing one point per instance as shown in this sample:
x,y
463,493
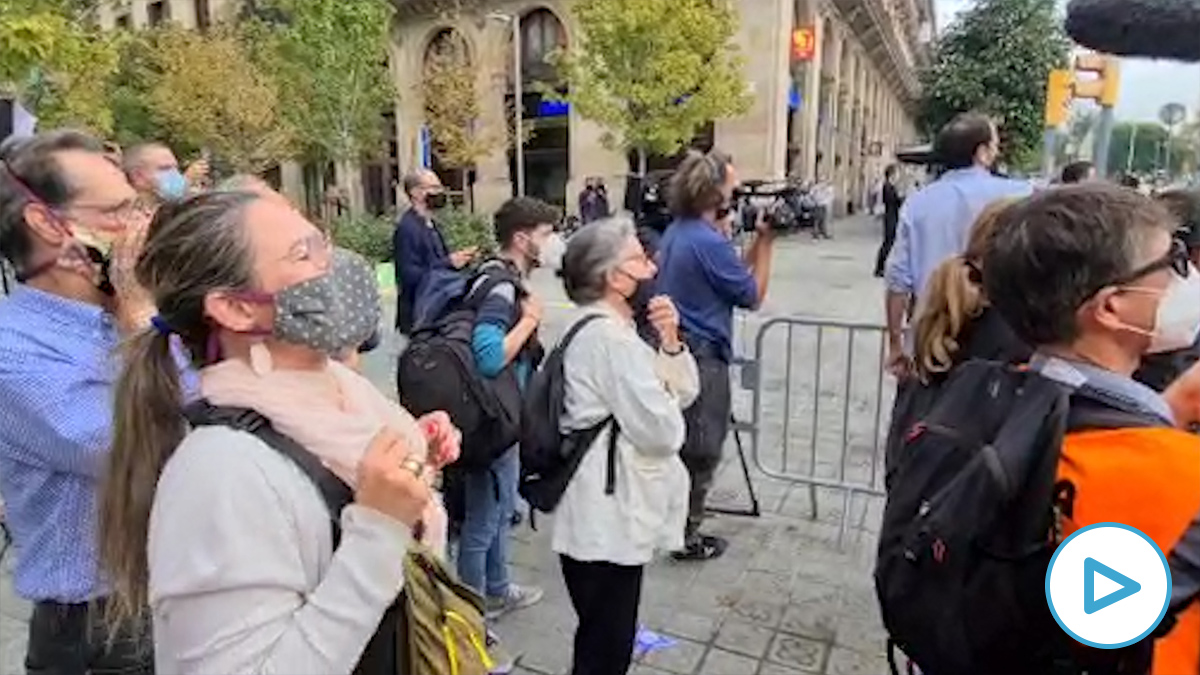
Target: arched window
x,y
447,45
541,34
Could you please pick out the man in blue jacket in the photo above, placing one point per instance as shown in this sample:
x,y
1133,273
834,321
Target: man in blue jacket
x,y
418,246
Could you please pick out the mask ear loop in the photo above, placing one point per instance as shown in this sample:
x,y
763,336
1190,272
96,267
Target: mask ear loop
x,y
25,275
260,356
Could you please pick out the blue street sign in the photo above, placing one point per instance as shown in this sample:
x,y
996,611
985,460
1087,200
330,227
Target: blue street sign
x,y
424,148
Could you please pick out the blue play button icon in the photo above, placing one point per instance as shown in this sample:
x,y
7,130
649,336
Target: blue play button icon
x,y
1077,606
1092,604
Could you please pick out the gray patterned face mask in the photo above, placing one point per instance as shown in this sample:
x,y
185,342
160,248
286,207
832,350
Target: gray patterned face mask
x,y
331,313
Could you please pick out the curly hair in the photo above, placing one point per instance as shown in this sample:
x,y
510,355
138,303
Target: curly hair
x,y
697,186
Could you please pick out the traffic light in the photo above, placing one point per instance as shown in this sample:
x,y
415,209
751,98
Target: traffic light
x,y
1105,86
1058,97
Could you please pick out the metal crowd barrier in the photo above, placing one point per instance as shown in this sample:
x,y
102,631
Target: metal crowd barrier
x,y
820,402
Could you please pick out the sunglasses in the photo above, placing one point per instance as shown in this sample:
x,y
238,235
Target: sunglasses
x,y
1176,259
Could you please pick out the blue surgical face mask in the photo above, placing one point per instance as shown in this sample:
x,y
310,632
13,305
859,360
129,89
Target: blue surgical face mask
x,y
170,184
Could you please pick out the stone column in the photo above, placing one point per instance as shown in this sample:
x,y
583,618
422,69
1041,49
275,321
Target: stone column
x,y
831,78
845,126
758,139
407,63
808,127
493,184
845,123
877,102
855,146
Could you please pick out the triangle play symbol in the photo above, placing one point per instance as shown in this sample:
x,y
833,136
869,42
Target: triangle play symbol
x,y
1092,604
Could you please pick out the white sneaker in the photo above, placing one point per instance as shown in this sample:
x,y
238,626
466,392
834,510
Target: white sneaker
x,y
518,597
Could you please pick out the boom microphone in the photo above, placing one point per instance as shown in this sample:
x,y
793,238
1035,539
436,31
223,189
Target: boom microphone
x,y
1159,29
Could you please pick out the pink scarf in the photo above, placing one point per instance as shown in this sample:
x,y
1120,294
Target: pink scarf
x,y
333,413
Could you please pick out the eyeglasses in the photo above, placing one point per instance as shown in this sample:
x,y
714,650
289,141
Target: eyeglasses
x,y
317,248
118,211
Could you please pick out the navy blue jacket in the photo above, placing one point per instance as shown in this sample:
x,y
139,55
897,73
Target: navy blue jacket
x,y
417,248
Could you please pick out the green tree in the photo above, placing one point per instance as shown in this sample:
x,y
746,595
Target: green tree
x,y
653,72
332,58
995,58
452,112
57,63
1141,147
134,121
204,91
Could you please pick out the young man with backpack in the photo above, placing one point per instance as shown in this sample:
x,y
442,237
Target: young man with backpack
x,y
503,342
1012,461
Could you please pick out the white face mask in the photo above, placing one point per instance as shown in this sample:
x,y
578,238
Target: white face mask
x,y
1177,321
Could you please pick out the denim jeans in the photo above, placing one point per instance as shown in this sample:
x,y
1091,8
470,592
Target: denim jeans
x,y
483,542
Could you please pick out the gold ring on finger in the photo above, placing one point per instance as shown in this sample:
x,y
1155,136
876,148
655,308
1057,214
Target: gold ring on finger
x,y
414,465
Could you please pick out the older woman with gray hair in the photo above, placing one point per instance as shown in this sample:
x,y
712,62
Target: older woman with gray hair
x,y
608,527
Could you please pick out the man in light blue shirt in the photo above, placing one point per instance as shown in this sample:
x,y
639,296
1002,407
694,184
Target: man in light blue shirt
x,y
61,198
935,221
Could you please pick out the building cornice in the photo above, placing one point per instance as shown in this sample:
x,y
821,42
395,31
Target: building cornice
x,y
874,27
411,9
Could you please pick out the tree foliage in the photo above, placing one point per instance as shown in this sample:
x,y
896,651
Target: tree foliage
x,y
205,91
452,112
653,72
995,58
1145,143
332,60
57,64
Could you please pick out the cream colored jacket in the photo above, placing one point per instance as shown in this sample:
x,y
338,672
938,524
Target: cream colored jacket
x,y
610,371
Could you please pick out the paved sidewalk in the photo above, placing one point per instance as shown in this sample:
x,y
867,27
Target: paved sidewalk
x,y
785,599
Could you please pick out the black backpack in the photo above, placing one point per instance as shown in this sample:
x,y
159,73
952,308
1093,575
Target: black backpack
x,y
550,458
969,526
437,371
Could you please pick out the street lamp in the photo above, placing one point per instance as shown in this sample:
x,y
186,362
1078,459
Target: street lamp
x,y
518,97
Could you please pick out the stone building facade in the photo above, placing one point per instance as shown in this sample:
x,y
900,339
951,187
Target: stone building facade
x,y
832,82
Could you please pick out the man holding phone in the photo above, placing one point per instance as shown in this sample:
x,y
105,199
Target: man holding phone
x,y
701,272
418,246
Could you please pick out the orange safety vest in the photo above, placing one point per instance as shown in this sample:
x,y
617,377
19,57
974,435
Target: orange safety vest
x,y
1148,478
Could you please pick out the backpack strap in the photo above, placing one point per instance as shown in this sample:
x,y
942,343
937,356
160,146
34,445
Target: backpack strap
x,y
333,490
610,474
555,361
491,274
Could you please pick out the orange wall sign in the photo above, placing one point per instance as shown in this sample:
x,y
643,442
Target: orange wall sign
x,y
804,43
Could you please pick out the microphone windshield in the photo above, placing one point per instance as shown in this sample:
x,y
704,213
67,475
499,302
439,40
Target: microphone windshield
x,y
1161,29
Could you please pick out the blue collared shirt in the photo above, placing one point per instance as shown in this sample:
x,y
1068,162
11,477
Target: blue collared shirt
x,y
702,273
1132,394
58,366
936,221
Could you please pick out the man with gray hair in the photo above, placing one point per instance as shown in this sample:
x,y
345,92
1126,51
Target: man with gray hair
x,y
418,246
1092,277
